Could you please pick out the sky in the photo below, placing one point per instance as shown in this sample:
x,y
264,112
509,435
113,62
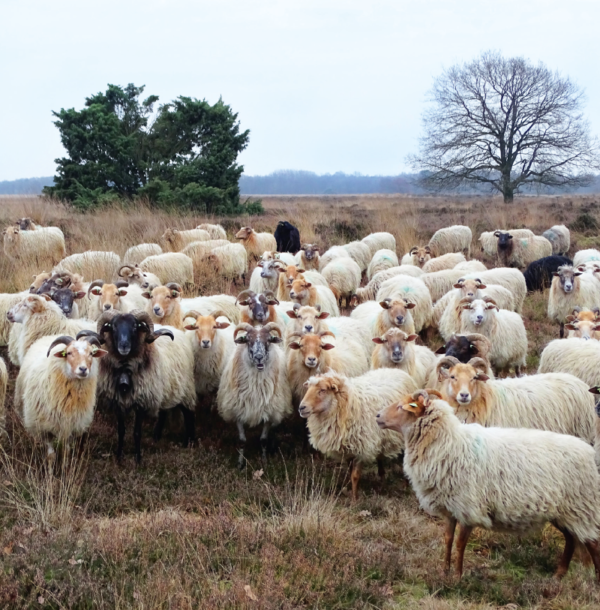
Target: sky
x,y
325,86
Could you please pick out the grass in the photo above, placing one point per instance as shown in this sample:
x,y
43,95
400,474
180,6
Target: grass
x,y
188,530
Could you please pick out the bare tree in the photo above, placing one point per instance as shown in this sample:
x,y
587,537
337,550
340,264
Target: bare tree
x,y
505,123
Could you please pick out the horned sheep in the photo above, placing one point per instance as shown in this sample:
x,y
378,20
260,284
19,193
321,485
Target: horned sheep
x,y
169,267
256,243
292,272
266,275
119,296
538,275
378,318
260,309
217,302
511,279
133,274
583,323
163,305
381,261
456,238
412,290
308,257
46,245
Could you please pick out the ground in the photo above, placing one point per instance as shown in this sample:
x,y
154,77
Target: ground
x,y
188,530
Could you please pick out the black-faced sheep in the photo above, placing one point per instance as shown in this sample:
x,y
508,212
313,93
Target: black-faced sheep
x,y
287,237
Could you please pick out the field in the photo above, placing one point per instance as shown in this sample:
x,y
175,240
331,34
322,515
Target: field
x,y
188,530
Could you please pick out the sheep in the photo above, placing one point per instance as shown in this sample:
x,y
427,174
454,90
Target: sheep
x,y
538,275
66,299
170,267
489,241
7,302
504,329
575,356
55,391
360,253
584,323
381,261
511,279
291,272
369,292
331,254
39,317
230,261
340,414
519,252
285,257
417,256
212,344
259,309
287,237
254,386
343,276
136,254
445,261
26,224
256,243
45,245
507,479
305,293
266,276
217,302
175,240
397,350
388,313
3,386
164,305
456,238
560,238
66,289
380,241
119,296
412,290
449,320
586,256
441,282
471,266
569,289
215,231
91,264
311,354
464,348
308,257
144,374
133,274
199,251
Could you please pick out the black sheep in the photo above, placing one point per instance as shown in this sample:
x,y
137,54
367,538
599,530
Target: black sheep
x,y
538,274
287,237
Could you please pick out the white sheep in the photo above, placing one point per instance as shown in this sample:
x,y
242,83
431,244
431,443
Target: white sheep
x,y
230,261
133,274
91,264
331,254
175,240
343,276
254,387
560,238
119,296
575,356
136,254
308,257
304,293
7,302
586,256
360,253
440,282
507,479
215,231
412,290
169,267
45,245
369,292
445,261
266,275
3,386
380,241
456,238
489,242
511,279
256,243
291,272
340,413
208,305
199,251
388,313
382,260
505,330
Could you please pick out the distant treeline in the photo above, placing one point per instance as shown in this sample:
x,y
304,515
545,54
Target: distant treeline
x,y
25,186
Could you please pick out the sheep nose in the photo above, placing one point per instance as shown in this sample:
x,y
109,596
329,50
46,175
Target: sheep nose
x,y
399,319
312,359
308,328
292,294
157,310
479,318
464,396
83,369
205,343
107,306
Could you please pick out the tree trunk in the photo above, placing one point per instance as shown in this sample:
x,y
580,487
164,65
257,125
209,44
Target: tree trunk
x,y
508,195
507,188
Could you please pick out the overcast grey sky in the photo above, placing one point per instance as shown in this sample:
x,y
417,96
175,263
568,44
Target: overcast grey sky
x,y
323,85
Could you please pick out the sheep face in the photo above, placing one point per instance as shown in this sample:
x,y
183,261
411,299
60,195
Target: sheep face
x,y
78,356
134,275
478,311
65,297
584,324
311,347
31,304
420,255
109,295
258,341
270,268
505,241
394,341
12,236
396,310
244,233
258,305
55,280
299,290
469,288
567,278
466,347
164,299
462,386
310,251
291,273
309,317
320,396
206,328
405,413
170,236
25,224
38,281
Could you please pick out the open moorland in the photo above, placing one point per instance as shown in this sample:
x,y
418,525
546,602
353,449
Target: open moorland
x,y
187,529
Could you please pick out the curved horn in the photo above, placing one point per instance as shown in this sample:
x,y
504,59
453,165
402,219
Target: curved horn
x,y
326,333
576,310
107,316
89,335
269,294
95,283
271,326
240,327
174,286
246,294
124,267
219,313
122,284
143,316
63,339
447,362
192,313
161,332
479,364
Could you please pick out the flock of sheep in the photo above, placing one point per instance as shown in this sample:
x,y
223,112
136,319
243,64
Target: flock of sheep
x,y
481,448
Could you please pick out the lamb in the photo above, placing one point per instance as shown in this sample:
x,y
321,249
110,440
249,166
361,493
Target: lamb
x,y
538,275
311,354
397,350
287,237
412,290
308,257
369,292
586,256
266,276
119,296
215,231
217,302
3,385
40,317
381,261
575,356
170,267
331,254
305,293
259,309
230,261
291,272
144,374
519,252
547,476
560,238
136,254
569,289
45,245
360,253
340,414
175,240
91,264
504,329
133,274
56,387
164,305
388,313
254,386
456,238
212,344
255,243
380,241
343,276
445,261
584,323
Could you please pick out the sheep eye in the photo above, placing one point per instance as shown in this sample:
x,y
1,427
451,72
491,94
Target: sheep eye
x,y
452,377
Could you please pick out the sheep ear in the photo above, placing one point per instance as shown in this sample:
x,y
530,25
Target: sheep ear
x,y
441,350
222,325
191,327
241,340
244,302
292,314
260,264
275,339
410,305
378,340
577,273
300,270
571,318
458,285
570,326
482,377
385,303
99,353
294,345
323,315
595,390
122,293
79,295
412,337
146,295
174,294
97,291
327,346
61,354
272,302
307,285
482,286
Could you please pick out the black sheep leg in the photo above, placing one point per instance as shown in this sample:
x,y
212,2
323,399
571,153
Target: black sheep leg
x,y
160,424
189,421
137,434
120,432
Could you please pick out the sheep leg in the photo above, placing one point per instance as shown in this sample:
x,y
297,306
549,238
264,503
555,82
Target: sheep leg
x,y
120,433
137,435
264,439
449,540
461,545
565,560
380,468
562,330
355,477
593,548
189,421
160,424
242,436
